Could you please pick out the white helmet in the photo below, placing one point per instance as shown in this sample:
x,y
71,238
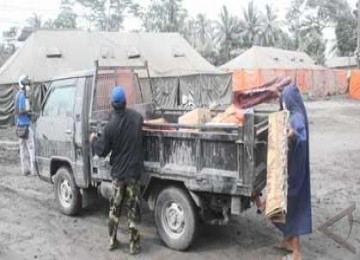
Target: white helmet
x,y
24,81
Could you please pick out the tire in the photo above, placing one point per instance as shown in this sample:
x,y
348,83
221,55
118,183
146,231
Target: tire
x,y
176,218
67,194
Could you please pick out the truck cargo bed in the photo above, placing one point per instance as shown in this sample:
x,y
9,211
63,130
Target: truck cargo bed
x,y
219,159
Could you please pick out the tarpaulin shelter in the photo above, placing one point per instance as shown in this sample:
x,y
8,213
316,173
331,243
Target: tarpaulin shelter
x,y
354,89
179,75
259,65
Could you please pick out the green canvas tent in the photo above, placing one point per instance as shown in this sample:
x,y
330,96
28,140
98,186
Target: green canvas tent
x,y
179,75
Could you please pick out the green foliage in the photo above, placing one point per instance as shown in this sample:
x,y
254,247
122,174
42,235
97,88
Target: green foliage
x,y
346,36
5,52
251,25
164,16
67,17
107,15
345,31
36,22
308,19
227,34
270,28
8,46
327,11
314,45
293,17
200,34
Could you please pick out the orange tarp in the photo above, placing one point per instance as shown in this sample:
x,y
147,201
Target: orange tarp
x,y
341,76
354,90
243,79
317,82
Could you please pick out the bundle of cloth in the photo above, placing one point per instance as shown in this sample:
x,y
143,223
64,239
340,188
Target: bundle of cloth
x,y
264,93
245,99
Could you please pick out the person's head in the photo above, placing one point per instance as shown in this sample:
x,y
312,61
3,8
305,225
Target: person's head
x,y
24,82
291,98
118,98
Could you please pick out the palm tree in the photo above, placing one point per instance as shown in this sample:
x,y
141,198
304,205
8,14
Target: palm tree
x,y
251,25
204,34
202,26
227,33
270,28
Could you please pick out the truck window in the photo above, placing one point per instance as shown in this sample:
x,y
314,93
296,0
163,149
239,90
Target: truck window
x,y
60,102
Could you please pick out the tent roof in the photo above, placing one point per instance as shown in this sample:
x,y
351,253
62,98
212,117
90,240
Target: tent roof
x,y
337,62
270,58
46,54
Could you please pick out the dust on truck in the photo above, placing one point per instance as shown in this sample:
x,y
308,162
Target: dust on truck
x,y
203,173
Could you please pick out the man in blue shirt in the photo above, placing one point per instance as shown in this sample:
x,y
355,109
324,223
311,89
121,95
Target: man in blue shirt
x,y
23,122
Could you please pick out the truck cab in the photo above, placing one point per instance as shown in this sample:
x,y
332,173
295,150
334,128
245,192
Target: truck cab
x,y
61,139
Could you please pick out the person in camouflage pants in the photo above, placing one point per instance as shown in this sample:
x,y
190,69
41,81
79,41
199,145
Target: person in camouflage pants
x,y
127,191
122,136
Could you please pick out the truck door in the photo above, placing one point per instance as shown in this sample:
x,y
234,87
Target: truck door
x,y
54,132
100,108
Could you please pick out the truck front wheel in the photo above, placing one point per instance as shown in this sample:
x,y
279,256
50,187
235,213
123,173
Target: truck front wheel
x,y
67,194
176,218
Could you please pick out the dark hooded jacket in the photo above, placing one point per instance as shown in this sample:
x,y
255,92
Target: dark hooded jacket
x,y
123,138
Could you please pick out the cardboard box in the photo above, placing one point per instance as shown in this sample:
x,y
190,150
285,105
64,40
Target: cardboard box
x,y
196,117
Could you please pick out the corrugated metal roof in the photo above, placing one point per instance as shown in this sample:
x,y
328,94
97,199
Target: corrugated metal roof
x,y
79,50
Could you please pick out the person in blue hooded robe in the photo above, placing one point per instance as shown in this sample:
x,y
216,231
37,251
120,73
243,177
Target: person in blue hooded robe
x,y
298,217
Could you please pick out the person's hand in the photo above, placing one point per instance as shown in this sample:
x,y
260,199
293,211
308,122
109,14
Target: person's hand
x,y
274,89
290,132
92,137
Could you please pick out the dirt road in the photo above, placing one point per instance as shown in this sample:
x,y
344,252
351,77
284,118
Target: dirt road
x,y
31,227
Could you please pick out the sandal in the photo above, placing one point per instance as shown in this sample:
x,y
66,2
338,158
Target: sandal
x,y
283,248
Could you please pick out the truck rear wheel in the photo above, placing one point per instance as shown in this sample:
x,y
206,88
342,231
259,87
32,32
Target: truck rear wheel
x,y
176,218
67,194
